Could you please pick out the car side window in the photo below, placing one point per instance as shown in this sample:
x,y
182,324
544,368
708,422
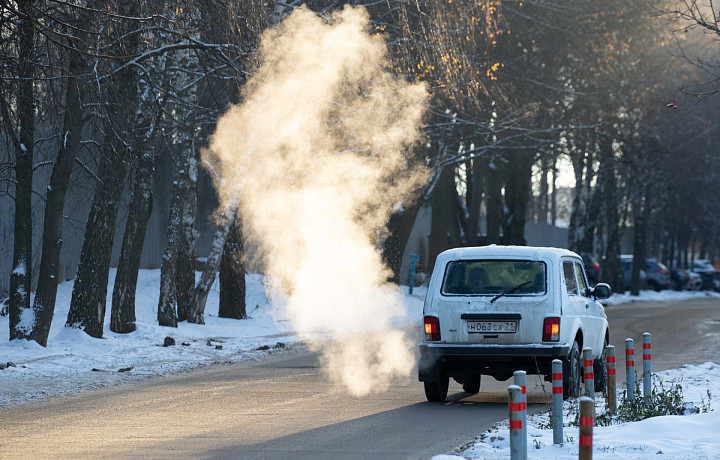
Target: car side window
x,y
570,278
582,285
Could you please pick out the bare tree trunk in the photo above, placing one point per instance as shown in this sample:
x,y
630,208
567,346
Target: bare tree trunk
x,y
642,213
475,195
493,181
211,266
55,202
579,205
444,228
122,313
399,227
517,194
87,307
544,198
187,235
612,268
88,304
167,314
21,276
553,193
177,282
232,276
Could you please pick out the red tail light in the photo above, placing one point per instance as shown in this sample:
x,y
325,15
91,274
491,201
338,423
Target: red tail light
x,y
432,329
596,266
551,329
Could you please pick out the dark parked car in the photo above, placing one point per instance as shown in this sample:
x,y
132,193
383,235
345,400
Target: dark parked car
x,y
656,275
681,279
709,274
627,264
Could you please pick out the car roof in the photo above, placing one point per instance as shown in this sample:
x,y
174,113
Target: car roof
x,y
511,252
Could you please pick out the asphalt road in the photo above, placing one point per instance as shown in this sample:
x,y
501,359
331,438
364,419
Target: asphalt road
x,y
683,332
284,407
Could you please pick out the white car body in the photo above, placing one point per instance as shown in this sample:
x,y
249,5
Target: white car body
x,y
482,332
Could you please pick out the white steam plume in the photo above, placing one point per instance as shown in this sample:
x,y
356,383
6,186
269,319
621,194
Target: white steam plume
x,y
316,155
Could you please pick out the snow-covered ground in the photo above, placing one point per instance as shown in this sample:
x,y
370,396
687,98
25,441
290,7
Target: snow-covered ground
x,y
686,437
74,362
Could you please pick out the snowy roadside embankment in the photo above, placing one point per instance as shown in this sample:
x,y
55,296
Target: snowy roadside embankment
x,y
74,362
692,436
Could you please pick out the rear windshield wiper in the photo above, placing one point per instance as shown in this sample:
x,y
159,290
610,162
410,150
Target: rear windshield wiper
x,y
511,290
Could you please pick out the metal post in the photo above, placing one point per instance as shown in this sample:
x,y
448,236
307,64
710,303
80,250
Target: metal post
x,y
557,401
647,367
587,406
413,260
589,373
516,422
611,381
630,368
520,378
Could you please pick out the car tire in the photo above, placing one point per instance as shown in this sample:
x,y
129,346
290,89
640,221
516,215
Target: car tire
x,y
600,370
572,373
437,390
473,385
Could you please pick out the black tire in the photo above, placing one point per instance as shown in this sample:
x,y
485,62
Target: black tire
x,y
436,391
572,373
473,385
600,370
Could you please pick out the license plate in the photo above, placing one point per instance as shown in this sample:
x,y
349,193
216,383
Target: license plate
x,y
492,327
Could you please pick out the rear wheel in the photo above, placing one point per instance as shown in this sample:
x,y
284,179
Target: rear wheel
x,y
472,386
437,390
600,370
572,373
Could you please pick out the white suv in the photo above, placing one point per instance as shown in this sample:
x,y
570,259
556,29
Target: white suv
x,y
496,309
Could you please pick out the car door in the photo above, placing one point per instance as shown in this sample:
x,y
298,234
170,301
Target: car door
x,y
593,315
577,305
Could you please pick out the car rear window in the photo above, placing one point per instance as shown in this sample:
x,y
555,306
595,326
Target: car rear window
x,y
493,277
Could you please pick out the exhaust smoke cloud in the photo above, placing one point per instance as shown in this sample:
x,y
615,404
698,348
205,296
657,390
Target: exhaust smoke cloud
x,y
316,156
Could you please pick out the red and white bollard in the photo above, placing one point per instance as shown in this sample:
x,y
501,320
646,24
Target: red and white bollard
x,y
557,401
587,408
647,367
520,379
611,378
589,374
517,425
630,368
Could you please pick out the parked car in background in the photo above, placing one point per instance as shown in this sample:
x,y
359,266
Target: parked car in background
x,y
684,280
627,264
709,274
494,310
654,274
658,275
592,268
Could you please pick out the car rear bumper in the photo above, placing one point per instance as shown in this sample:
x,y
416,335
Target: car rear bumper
x,y
487,351
496,360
